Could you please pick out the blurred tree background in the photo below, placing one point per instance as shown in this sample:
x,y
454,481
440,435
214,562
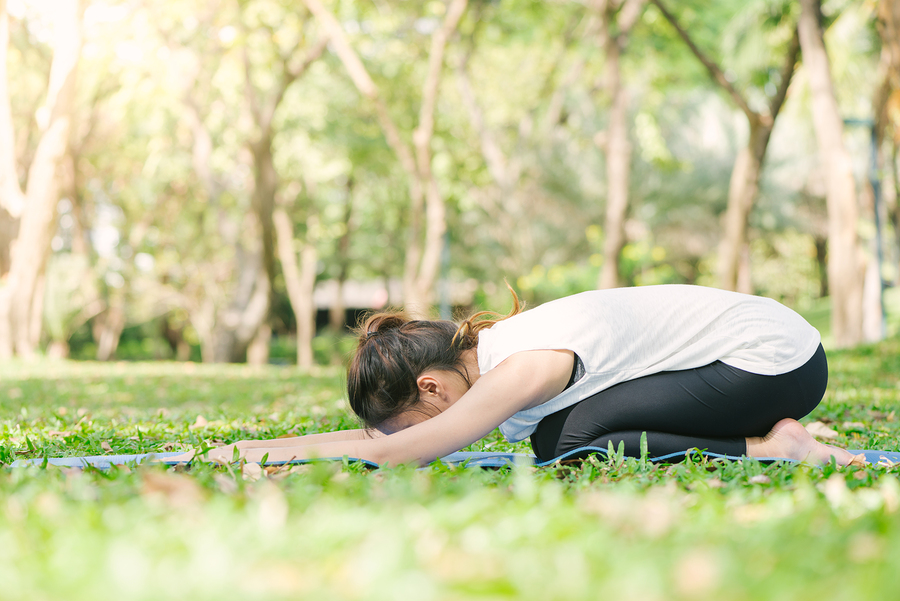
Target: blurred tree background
x,y
236,180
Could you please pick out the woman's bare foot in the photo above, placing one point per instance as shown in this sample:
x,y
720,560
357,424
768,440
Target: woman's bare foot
x,y
790,440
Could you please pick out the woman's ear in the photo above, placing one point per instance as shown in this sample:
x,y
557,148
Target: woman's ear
x,y
428,384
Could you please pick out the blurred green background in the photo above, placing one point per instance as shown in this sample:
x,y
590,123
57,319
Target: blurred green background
x,y
238,180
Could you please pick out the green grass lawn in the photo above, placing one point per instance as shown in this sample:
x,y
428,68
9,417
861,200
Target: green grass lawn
x,y
615,529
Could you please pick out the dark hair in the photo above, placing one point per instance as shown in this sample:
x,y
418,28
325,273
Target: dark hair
x,y
394,350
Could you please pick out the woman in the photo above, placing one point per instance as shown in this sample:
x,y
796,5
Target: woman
x,y
693,367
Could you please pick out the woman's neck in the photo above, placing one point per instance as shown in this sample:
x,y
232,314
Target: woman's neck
x,y
470,365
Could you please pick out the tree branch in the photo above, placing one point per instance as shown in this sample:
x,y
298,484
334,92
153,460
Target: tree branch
x,y
363,82
249,90
628,16
493,156
714,70
424,131
787,72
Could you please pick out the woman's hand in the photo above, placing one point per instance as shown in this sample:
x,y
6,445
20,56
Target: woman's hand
x,y
223,454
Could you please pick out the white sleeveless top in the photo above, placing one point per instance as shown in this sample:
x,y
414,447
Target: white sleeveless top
x,y
627,333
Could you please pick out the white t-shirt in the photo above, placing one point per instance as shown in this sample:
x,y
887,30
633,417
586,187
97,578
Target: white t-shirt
x,y
627,333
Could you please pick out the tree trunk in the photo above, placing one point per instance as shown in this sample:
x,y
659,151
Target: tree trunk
x,y
423,256
299,279
845,262
265,180
618,163
58,349
265,185
616,26
337,313
822,265
237,324
258,349
306,309
29,252
742,192
108,331
225,332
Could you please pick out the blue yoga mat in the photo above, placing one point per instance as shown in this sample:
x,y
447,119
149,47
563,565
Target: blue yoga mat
x,y
468,459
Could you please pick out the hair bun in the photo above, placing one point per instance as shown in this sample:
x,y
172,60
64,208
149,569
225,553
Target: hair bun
x,y
380,323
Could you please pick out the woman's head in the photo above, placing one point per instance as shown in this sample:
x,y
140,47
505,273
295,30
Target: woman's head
x,y
394,350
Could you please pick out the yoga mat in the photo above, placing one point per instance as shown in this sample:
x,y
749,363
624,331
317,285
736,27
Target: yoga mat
x,y
469,459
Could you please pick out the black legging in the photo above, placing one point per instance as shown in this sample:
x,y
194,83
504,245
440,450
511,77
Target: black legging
x,y
713,408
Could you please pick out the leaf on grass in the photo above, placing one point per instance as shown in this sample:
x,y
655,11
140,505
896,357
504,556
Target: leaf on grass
x,y
62,433
820,430
853,426
200,422
858,461
760,479
105,446
176,489
167,446
882,416
251,472
278,471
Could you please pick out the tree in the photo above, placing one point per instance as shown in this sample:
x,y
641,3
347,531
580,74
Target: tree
x,y
886,103
263,104
617,20
514,151
21,294
733,270
846,262
423,250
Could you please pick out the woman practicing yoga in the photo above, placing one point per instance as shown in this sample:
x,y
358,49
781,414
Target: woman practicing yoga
x,y
692,367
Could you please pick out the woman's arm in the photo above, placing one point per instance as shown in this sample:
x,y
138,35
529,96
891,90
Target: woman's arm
x,y
299,441
524,380
226,453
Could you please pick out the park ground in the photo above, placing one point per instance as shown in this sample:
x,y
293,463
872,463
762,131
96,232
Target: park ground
x,y
607,529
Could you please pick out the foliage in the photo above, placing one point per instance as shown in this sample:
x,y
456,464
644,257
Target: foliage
x,y
162,219
612,528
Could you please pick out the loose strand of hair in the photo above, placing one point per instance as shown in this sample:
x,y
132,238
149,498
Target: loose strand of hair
x,y
468,330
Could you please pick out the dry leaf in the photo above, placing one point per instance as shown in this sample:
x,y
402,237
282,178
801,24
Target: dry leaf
x,y
200,422
167,447
105,446
760,479
62,433
820,430
178,490
853,426
858,460
251,472
275,470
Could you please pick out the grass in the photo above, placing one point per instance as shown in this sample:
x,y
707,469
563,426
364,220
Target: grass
x,y
616,528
